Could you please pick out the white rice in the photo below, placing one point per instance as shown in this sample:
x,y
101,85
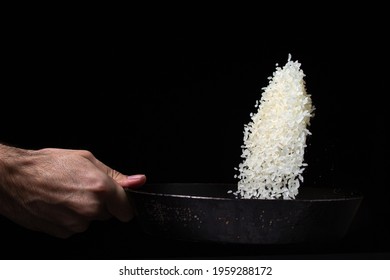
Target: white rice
x,y
275,138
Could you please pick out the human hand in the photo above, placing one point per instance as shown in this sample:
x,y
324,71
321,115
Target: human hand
x,y
60,191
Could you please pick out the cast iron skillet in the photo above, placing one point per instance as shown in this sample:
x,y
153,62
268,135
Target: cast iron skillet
x,y
206,212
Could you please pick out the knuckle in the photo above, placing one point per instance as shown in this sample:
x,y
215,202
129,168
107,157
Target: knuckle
x,y
92,211
86,154
101,185
101,188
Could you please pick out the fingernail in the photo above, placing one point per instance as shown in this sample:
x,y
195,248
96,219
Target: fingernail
x,y
135,177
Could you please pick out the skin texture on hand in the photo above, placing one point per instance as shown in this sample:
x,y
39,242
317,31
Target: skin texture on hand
x,y
59,191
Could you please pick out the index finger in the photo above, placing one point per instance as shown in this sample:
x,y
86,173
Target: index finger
x,y
118,203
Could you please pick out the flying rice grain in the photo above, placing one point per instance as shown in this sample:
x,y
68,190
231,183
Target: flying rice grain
x,y
275,138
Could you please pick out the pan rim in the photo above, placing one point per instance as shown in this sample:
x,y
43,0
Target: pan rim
x,y
354,194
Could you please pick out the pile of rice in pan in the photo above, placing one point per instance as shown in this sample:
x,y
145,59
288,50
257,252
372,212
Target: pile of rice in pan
x,y
275,138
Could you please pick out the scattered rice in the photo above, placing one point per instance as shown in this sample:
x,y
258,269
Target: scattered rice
x,y
275,138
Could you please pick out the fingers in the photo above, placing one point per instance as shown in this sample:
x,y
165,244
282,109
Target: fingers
x,y
118,204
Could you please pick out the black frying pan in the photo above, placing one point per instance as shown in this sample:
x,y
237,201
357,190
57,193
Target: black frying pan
x,y
206,212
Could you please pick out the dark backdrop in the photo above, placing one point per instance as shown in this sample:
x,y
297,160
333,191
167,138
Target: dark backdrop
x,y
170,100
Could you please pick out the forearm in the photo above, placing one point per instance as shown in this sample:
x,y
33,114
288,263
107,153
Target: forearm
x,y
10,159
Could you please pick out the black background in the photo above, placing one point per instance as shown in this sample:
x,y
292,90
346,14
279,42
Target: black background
x,y
168,97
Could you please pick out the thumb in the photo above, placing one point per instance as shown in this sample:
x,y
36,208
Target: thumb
x,y
132,181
